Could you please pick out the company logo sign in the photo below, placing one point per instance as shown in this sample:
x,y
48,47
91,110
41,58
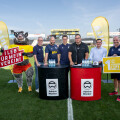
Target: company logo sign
x,y
52,87
87,87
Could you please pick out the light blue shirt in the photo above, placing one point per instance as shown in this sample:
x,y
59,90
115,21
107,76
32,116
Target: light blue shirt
x,y
97,54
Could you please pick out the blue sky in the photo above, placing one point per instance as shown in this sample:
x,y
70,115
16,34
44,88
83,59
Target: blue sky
x,y
40,16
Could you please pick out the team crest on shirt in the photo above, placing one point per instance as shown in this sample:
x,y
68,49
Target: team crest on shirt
x,y
55,47
68,47
119,49
112,49
62,47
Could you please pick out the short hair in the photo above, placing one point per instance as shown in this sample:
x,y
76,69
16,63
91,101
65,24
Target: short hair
x,y
77,35
40,37
51,37
64,36
99,39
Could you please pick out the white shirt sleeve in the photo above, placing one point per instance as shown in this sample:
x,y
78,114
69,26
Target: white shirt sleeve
x,y
91,54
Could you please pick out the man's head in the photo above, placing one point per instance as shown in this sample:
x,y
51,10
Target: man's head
x,y
64,38
78,38
116,41
52,40
98,43
40,41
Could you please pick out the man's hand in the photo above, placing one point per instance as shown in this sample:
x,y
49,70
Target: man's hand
x,y
71,63
58,63
45,63
115,55
38,64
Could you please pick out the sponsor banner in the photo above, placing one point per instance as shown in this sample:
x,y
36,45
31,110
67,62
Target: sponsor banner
x,y
52,87
4,36
11,56
111,65
87,87
100,28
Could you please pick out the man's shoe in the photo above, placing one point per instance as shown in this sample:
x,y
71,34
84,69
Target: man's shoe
x,y
29,88
37,90
118,98
113,93
20,89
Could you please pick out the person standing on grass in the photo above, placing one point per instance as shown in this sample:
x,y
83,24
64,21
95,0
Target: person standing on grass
x,y
51,51
113,52
97,53
78,51
63,52
39,58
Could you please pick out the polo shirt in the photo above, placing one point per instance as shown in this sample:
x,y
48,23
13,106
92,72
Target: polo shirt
x,y
63,50
38,51
52,51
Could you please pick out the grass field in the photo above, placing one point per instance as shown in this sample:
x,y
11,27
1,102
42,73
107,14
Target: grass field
x,y
28,106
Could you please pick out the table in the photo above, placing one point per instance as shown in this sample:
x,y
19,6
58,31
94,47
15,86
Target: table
x,y
53,82
85,83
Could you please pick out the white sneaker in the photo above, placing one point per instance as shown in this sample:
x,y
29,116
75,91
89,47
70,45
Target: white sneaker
x,y
37,90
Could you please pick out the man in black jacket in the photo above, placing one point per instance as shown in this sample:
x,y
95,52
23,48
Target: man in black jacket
x,y
78,51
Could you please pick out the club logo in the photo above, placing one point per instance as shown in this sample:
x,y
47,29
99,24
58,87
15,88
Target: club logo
x,y
87,85
52,85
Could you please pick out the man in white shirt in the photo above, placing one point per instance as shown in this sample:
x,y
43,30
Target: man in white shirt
x,y
97,53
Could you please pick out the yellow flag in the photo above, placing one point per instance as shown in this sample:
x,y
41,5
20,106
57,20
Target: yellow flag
x,y
100,28
4,36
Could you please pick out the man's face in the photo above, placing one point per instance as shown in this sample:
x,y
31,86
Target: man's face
x,y
98,43
52,40
40,41
77,39
116,41
65,40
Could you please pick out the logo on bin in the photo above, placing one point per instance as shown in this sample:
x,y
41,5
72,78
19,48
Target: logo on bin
x,y
52,85
87,85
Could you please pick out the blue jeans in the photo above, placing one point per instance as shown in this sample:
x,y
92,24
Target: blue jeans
x,y
36,76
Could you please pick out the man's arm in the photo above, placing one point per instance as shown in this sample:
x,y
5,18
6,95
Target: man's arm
x,y
58,55
86,55
46,58
35,58
70,58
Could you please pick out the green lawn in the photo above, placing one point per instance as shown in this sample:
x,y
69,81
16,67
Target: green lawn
x,y
28,106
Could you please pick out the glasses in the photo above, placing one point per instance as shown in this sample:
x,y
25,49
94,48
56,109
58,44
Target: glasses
x,y
77,38
99,42
40,40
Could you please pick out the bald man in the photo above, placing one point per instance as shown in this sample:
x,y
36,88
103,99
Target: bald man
x,y
115,51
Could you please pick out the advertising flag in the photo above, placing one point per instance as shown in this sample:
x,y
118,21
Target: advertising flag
x,y
100,28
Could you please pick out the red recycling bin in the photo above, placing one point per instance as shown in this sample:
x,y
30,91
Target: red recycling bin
x,y
85,83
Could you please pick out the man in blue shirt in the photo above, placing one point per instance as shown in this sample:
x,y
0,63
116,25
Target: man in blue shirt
x,y
39,58
63,52
97,53
51,51
115,51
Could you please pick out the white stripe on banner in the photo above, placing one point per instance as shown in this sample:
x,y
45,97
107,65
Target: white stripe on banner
x,y
69,102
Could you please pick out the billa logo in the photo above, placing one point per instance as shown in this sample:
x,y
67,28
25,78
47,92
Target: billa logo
x,y
52,85
87,85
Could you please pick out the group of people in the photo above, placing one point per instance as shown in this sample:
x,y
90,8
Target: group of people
x,y
66,54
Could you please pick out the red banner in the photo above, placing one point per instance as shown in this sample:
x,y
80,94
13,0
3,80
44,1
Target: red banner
x,y
11,56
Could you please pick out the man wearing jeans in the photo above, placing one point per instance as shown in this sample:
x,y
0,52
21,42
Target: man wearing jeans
x,y
39,58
